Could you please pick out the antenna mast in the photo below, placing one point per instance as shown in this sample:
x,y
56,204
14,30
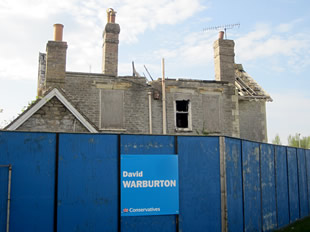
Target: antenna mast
x,y
223,27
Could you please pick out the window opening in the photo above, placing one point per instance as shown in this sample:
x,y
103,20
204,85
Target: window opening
x,y
182,113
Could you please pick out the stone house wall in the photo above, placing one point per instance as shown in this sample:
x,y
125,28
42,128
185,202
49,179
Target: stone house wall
x,y
213,109
53,117
253,124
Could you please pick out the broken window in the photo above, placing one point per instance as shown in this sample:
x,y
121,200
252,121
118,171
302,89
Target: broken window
x,y
182,114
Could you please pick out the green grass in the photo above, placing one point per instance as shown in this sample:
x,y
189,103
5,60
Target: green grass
x,y
298,226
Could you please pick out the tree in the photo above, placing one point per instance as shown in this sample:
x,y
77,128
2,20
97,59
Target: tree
x,y
277,140
297,141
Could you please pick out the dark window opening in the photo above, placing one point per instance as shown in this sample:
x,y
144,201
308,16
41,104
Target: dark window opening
x,y
182,105
182,113
182,120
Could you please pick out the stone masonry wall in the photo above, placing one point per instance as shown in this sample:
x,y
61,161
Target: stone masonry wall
x,y
253,125
83,91
215,107
56,53
224,60
212,108
53,117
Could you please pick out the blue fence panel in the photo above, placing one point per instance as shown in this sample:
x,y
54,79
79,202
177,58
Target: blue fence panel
x,y
251,186
234,184
32,156
148,144
307,157
4,171
293,183
88,183
267,186
199,176
269,207
282,186
302,178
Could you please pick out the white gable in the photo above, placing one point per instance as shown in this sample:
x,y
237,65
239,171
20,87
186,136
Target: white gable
x,y
54,93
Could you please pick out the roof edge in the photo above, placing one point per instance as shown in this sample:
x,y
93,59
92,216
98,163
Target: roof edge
x,y
53,93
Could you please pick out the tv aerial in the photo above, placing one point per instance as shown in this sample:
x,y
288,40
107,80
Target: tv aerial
x,y
223,27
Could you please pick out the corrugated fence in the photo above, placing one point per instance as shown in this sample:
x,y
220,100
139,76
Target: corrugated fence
x,y
71,182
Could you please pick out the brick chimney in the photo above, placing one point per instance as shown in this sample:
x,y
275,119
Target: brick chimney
x,y
110,45
56,53
224,59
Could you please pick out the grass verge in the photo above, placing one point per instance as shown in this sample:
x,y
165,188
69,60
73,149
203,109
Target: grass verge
x,y
302,225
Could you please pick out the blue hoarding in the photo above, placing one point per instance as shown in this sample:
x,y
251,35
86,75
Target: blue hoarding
x,y
149,185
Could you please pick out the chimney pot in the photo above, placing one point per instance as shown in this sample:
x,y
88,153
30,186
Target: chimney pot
x,y
111,15
58,32
112,18
221,35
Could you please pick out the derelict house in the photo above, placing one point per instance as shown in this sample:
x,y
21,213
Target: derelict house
x,y
231,105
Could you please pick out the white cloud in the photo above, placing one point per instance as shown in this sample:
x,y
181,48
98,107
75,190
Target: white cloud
x,y
195,49
280,50
125,69
140,15
167,53
278,69
29,22
6,117
287,112
286,27
16,69
271,46
33,8
264,42
134,16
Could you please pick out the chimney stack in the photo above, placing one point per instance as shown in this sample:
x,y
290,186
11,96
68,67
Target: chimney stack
x,y
56,53
224,59
110,45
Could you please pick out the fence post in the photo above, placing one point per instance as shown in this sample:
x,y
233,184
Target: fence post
x,y
9,195
223,184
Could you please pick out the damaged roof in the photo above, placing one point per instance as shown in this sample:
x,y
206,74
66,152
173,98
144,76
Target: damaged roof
x,y
247,87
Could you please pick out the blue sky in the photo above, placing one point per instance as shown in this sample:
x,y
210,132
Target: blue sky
x,y
272,43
